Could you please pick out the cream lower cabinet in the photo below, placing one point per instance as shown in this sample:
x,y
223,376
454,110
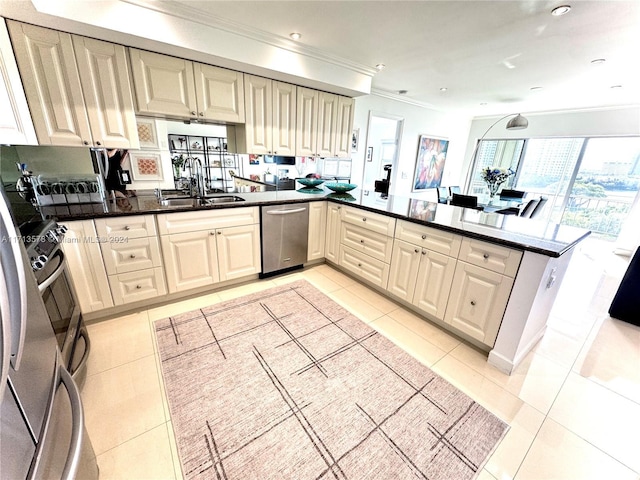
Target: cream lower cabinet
x,y
88,273
131,255
421,277
478,300
201,248
332,233
316,236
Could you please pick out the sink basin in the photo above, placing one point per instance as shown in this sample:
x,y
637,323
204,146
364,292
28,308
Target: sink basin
x,y
198,202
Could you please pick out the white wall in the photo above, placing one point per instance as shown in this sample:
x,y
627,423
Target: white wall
x,y
417,121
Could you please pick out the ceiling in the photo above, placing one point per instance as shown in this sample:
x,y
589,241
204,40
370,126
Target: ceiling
x,y
489,55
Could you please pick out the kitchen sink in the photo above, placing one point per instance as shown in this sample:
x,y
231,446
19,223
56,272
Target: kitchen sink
x,y
198,202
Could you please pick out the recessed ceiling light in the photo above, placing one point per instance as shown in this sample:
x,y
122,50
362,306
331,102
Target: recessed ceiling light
x,y
561,10
443,89
380,66
534,89
402,92
598,61
295,36
616,86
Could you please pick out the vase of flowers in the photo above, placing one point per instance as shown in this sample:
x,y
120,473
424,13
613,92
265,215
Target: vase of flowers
x,y
494,177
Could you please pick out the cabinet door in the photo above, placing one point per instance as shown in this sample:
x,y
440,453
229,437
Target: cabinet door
x,y
258,105
284,119
163,85
16,126
190,260
317,225
219,93
104,74
434,279
344,127
332,238
327,116
405,261
306,122
51,81
238,251
88,274
478,301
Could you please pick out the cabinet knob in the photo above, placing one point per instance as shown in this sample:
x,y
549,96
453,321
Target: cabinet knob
x,y
424,237
85,142
98,143
201,114
212,233
127,227
473,303
359,264
416,250
485,256
219,232
364,219
361,241
424,252
193,113
133,255
138,287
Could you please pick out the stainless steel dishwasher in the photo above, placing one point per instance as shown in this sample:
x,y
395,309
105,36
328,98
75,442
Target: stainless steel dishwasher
x,y
284,237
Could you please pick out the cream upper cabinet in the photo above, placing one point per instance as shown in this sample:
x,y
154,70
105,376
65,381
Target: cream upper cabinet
x,y
16,126
270,113
163,85
324,124
317,226
77,88
175,87
104,75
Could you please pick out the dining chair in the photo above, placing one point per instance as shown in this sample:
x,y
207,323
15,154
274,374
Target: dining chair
x,y
459,200
537,210
509,211
528,208
443,194
508,193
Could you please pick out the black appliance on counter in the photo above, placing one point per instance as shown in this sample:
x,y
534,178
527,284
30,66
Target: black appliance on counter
x,y
382,186
279,160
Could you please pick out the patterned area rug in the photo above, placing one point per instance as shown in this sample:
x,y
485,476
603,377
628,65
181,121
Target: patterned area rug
x,y
286,384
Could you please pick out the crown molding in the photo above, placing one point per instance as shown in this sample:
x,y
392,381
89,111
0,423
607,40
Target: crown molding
x,y
404,99
195,15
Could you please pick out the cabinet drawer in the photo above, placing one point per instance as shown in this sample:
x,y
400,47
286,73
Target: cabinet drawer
x,y
371,221
181,222
430,238
136,254
493,257
139,285
374,244
130,226
370,269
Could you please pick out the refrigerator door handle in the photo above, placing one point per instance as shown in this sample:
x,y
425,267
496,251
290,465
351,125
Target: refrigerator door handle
x,y
14,269
5,332
42,286
77,416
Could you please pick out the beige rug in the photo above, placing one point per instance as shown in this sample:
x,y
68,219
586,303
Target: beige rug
x,y
286,384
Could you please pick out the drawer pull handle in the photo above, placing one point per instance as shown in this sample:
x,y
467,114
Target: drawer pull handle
x,y
138,287
127,227
424,237
485,256
133,255
473,302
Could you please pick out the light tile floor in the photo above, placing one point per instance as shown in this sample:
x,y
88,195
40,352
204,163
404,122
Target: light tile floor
x,y
573,404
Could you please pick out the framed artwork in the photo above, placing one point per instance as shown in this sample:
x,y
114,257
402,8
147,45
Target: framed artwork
x,y
147,133
369,156
432,154
355,137
422,210
145,165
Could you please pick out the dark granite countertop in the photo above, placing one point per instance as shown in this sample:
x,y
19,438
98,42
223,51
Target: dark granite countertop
x,y
509,230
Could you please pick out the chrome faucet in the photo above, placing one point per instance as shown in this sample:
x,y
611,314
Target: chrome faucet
x,y
196,174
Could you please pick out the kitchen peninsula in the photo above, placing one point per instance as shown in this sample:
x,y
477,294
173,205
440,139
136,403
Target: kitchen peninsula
x,y
489,278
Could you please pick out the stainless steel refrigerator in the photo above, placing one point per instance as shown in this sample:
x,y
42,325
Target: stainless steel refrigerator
x,y
42,432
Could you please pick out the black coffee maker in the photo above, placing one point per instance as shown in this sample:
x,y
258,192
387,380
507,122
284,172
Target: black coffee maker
x,y
382,186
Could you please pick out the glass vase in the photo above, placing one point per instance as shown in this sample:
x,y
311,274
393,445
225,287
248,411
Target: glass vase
x,y
493,188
